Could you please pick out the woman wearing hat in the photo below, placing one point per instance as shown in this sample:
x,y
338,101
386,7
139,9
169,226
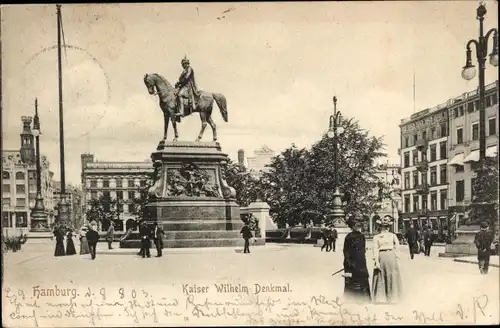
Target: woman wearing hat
x,y
357,286
84,244
387,285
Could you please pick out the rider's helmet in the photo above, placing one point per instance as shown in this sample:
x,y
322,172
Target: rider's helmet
x,y
185,61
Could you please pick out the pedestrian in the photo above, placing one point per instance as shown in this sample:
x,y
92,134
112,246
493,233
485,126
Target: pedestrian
x,y
59,234
333,239
110,234
70,245
247,234
158,239
427,237
84,245
356,286
412,237
92,238
324,236
483,241
387,285
145,234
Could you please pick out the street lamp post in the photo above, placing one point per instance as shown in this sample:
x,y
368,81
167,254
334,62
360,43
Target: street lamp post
x,y
469,71
334,128
38,214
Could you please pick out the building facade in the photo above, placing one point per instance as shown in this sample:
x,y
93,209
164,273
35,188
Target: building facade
x,y
464,146
118,180
74,196
424,157
257,163
19,183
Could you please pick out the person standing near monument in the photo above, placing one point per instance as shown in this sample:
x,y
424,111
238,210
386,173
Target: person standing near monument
x,y
158,239
333,239
427,237
145,234
110,234
483,241
92,238
412,239
247,234
186,87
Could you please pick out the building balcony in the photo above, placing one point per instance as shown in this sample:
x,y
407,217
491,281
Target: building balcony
x,y
422,165
421,144
422,188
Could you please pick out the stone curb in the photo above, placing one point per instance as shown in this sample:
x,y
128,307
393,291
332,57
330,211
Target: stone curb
x,y
474,262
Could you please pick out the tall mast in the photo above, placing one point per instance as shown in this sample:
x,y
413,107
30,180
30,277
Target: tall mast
x,y
61,114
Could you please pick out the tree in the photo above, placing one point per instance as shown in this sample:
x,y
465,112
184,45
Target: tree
x,y
302,181
102,209
484,206
242,181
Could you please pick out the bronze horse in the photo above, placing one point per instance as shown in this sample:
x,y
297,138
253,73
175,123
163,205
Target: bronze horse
x,y
158,85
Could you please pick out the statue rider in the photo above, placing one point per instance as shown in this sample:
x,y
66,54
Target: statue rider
x,y
186,87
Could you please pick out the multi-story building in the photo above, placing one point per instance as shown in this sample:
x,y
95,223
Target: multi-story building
x,y
74,197
257,163
424,157
19,183
464,146
118,180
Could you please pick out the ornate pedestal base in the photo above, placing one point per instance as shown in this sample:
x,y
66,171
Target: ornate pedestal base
x,y
190,198
464,244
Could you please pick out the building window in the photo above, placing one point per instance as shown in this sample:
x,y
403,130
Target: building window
x,y
93,183
119,194
119,208
6,188
433,176
424,178
494,100
131,183
415,179
20,176
6,202
461,110
415,157
106,195
105,183
93,195
470,107
415,203
472,181
21,220
424,203
407,204
459,168
20,189
444,130
407,142
442,150
131,195
407,180
488,101
459,190
5,175
415,138
434,201
455,112
492,126
407,159
32,175
20,202
443,173
118,183
443,194
475,131
433,153
433,133
143,183
460,136
424,135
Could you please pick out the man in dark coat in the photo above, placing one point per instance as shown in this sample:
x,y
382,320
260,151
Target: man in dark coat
x,y
325,233
333,239
247,234
158,234
92,239
427,236
483,241
412,238
145,234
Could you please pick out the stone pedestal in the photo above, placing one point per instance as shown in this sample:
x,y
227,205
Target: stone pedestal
x,y
463,245
191,199
261,211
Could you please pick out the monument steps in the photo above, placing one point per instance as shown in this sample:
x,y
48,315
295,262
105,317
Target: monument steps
x,y
224,225
190,243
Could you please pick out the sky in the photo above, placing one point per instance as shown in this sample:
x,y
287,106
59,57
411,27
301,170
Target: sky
x,y
277,64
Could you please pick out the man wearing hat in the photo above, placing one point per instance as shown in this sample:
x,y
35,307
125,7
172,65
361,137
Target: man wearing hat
x,y
186,87
483,241
92,238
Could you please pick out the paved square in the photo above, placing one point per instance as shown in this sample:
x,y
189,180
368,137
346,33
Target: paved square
x,y
195,287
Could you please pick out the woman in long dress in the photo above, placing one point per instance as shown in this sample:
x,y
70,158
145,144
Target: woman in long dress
x,y
357,286
70,246
387,285
59,242
84,244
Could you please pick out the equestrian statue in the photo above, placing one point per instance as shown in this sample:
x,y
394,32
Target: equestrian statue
x,y
184,99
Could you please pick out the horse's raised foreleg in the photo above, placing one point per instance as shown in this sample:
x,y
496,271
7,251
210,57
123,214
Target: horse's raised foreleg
x,y
213,126
174,124
203,118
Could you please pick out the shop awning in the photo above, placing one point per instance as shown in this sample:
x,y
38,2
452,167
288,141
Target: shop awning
x,y
457,160
491,151
472,157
